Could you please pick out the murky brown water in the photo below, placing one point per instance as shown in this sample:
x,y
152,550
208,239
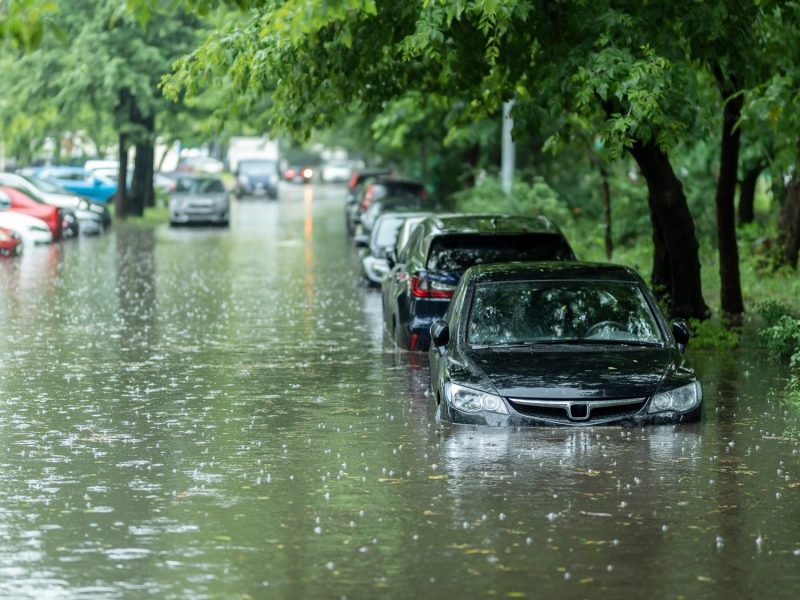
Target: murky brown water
x,y
205,413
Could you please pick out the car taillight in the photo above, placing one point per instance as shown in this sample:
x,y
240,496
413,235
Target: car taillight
x,y
290,173
367,200
423,288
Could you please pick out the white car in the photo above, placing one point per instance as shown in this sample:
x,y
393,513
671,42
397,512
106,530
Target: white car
x,y
336,171
32,230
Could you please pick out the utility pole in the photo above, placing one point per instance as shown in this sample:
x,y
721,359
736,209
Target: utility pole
x,y
507,159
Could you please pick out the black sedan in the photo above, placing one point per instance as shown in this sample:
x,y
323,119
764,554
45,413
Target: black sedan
x,y
559,344
418,289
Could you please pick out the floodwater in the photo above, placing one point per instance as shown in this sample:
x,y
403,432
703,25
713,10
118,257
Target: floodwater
x,y
213,414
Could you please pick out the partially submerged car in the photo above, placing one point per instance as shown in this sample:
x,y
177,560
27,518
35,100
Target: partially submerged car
x,y
80,181
18,202
257,177
91,216
418,289
381,241
560,344
10,242
199,199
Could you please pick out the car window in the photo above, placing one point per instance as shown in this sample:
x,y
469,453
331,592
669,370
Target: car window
x,y
197,185
530,312
411,243
258,167
386,231
461,251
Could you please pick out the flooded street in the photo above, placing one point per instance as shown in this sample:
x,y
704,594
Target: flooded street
x,y
200,413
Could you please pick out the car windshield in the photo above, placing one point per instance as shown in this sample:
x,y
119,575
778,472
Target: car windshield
x,y
47,185
258,167
553,312
199,185
459,252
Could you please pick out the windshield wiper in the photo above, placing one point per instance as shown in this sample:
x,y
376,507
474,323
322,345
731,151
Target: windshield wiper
x,y
597,342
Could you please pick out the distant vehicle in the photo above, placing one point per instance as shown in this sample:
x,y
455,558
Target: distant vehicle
x,y
47,191
201,164
354,191
198,199
378,188
80,181
10,242
20,203
251,148
257,177
99,164
568,344
418,289
339,170
298,174
31,230
381,241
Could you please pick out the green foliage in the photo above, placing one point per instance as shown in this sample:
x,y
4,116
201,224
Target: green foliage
x,y
711,335
525,199
783,339
772,311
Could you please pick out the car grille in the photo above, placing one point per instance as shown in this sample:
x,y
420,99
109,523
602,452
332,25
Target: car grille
x,y
578,412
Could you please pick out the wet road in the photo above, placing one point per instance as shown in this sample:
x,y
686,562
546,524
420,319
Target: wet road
x,y
205,413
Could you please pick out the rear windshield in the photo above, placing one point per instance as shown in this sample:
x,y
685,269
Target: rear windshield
x,y
258,167
386,231
398,189
199,186
460,252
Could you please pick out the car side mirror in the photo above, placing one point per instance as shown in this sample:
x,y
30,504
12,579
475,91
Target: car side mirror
x,y
96,182
361,241
440,333
680,331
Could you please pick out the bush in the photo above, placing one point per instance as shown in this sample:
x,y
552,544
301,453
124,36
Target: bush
x,y
524,199
710,335
782,339
772,310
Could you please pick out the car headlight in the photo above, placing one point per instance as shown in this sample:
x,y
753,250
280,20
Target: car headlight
x,y
680,399
472,401
273,178
83,204
244,180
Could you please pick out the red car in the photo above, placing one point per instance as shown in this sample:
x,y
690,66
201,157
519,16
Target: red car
x,y
23,203
10,243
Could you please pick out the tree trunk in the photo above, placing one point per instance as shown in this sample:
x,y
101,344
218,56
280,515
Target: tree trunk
x,y
142,193
121,197
747,194
790,223
661,278
730,283
673,222
609,240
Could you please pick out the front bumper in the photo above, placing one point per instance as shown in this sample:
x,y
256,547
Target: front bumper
x,y
516,419
375,269
197,216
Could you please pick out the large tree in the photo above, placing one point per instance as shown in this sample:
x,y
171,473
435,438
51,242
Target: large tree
x,y
104,67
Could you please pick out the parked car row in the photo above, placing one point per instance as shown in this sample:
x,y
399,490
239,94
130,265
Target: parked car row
x,y
517,330
37,210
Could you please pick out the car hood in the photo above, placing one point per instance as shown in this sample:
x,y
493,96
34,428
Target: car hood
x,y
573,373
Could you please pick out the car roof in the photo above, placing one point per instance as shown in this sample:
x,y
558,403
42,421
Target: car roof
x,y
551,270
487,223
